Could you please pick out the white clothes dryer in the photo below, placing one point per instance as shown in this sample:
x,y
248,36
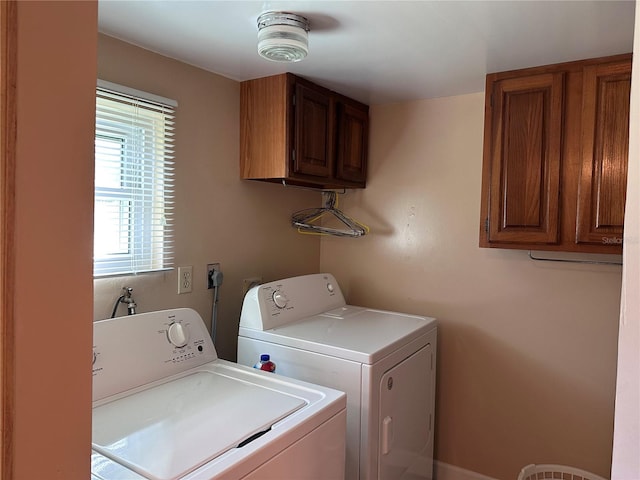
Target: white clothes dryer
x,y
166,408
384,361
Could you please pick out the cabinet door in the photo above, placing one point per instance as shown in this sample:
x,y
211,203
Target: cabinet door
x,y
605,144
313,149
525,155
352,143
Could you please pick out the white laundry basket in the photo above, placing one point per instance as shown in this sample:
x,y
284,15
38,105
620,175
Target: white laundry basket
x,y
560,472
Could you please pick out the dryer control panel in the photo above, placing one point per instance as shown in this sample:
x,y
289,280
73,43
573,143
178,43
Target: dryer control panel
x,y
159,344
277,303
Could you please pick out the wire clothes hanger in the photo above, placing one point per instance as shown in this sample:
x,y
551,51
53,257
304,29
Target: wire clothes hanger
x,y
305,220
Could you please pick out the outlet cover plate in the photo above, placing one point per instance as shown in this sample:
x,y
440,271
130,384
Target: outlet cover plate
x,y
185,279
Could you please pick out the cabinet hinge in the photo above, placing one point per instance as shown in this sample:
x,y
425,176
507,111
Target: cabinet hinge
x,y
486,224
293,100
293,155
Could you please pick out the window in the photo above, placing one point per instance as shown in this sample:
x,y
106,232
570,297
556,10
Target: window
x,y
133,181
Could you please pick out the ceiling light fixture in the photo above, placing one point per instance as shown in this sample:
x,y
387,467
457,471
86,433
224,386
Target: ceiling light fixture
x,y
283,36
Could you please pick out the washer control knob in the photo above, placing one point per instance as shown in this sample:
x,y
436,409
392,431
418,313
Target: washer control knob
x,y
279,299
330,287
178,334
94,357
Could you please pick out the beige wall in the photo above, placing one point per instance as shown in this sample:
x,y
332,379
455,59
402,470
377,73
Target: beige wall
x,y
53,228
243,225
527,350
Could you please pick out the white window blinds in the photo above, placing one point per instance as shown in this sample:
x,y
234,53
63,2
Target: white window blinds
x,y
133,227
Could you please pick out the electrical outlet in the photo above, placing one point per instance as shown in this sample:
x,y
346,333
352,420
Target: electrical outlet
x,y
248,283
185,279
211,267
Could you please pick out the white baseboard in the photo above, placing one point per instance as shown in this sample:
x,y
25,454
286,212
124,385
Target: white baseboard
x,y
444,471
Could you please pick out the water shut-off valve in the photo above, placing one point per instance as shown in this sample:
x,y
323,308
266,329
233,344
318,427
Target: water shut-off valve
x,y
127,299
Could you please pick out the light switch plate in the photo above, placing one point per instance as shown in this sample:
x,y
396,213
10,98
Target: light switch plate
x,y
185,279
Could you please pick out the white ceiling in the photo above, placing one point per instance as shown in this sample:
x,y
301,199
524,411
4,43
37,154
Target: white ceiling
x,y
380,51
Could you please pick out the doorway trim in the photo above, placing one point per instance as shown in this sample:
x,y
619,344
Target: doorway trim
x,y
8,121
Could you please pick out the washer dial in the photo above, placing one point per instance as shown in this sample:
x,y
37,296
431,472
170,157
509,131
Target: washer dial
x,y
178,334
280,299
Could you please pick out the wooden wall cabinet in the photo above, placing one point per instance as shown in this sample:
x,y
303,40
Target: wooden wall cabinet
x,y
555,157
295,131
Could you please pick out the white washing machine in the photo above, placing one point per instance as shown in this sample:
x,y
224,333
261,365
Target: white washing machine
x,y
384,361
166,408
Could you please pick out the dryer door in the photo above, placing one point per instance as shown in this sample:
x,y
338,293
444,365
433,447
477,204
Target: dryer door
x,y
406,418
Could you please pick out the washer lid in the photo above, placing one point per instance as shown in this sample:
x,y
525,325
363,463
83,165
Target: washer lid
x,y
169,430
349,332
